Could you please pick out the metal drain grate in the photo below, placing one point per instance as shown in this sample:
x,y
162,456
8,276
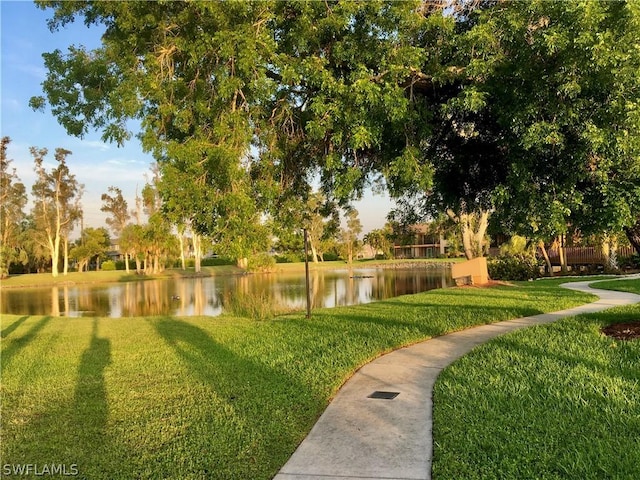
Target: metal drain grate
x,y
384,395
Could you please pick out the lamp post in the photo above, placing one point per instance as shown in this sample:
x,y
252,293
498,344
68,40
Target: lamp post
x,y
306,272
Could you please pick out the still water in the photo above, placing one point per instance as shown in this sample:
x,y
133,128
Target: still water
x,y
207,296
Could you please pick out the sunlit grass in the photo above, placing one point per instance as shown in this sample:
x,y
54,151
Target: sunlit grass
x,y
558,401
223,397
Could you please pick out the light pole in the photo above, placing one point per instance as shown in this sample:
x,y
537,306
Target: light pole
x,y
306,272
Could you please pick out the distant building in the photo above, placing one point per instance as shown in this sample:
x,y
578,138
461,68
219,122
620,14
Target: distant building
x,y
421,244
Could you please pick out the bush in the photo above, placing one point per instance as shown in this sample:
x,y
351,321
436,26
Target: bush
x,y
630,263
261,262
108,265
514,267
288,258
216,261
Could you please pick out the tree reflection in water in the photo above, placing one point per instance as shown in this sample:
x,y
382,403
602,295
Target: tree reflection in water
x,y
204,296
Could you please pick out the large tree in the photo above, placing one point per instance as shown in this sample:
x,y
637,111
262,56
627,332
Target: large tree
x,y
56,204
471,105
316,87
561,79
13,199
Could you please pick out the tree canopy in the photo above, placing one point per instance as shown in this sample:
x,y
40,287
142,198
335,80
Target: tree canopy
x,y
530,109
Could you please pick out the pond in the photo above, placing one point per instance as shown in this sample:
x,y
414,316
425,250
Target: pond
x,y
209,295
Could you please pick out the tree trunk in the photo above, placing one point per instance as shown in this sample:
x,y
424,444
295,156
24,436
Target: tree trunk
x,y
609,250
126,262
55,257
242,262
197,250
563,257
314,253
181,241
472,240
547,261
483,224
633,234
466,236
65,270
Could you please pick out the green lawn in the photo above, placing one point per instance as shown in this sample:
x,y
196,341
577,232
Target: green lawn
x,y
559,401
205,397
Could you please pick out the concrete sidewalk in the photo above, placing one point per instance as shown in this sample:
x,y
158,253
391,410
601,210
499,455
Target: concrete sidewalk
x,y
358,437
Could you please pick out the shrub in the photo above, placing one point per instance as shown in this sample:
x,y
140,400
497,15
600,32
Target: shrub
x,y
261,262
514,267
289,257
108,265
216,261
631,262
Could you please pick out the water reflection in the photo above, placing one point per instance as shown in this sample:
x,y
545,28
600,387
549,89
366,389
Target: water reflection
x,y
205,296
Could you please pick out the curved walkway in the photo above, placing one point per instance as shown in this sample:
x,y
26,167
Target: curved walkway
x,y
358,437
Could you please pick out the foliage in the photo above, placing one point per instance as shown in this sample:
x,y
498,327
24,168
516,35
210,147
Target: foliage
x,y
108,265
517,245
381,240
56,198
349,245
518,266
527,111
261,262
289,258
215,261
93,244
116,206
13,199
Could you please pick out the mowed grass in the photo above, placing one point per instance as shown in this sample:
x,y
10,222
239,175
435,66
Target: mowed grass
x,y
223,397
559,401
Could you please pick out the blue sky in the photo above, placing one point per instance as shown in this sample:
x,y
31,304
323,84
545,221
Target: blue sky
x,y
97,165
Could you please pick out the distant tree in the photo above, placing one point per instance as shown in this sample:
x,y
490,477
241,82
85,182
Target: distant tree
x,y
159,241
56,197
35,256
93,244
13,199
132,241
381,240
117,208
349,243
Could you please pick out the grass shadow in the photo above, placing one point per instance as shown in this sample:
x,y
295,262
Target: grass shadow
x,y
6,331
18,343
253,406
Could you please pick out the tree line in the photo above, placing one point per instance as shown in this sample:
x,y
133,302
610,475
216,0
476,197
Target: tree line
x,y
517,116
146,235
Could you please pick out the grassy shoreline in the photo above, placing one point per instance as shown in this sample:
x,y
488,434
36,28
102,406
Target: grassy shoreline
x,y
201,397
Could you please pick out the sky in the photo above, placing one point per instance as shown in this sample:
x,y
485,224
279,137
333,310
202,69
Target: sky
x,y
24,37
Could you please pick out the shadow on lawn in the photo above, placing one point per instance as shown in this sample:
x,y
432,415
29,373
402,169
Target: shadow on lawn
x,y
258,408
66,430
6,331
18,343
90,401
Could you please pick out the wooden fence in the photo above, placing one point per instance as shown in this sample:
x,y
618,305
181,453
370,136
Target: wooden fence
x,y
585,255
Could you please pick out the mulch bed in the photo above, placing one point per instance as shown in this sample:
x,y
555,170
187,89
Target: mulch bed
x,y
623,331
